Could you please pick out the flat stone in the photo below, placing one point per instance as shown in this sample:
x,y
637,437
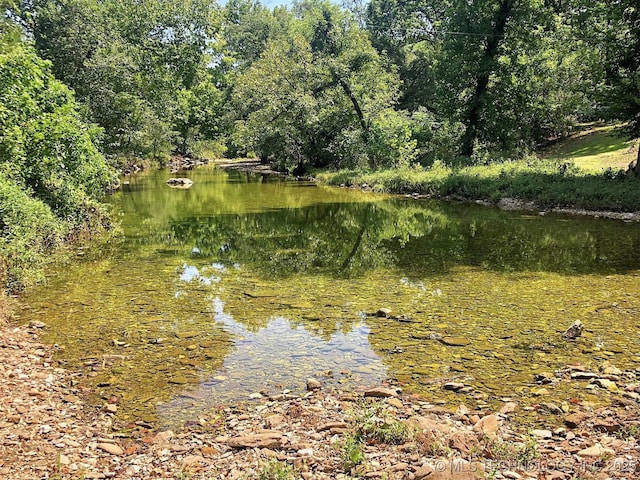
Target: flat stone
x,y
605,425
508,407
258,440
606,384
428,425
453,386
383,312
111,448
542,433
575,419
583,376
455,341
380,392
332,425
596,451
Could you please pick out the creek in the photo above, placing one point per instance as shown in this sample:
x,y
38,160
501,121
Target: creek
x,y
245,284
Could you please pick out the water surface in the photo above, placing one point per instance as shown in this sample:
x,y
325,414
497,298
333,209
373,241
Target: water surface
x,y
244,284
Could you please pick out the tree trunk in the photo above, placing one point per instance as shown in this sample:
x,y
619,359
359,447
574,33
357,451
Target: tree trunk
x,y
356,106
636,169
487,66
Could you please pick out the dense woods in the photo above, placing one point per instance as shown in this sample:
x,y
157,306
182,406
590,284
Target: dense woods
x,y
87,85
386,83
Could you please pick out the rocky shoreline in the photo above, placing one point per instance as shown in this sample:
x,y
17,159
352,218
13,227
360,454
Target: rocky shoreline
x,y
48,429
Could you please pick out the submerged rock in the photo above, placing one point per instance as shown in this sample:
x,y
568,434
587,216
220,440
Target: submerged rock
x,y
180,182
574,331
455,341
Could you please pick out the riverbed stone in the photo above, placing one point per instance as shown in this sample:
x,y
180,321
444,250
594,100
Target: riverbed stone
x,y
258,440
455,341
573,420
381,392
111,448
313,384
488,425
596,451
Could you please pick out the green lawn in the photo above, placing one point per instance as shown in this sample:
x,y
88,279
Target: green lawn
x,y
595,149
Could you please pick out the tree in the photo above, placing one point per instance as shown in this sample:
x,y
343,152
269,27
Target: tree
x,y
319,94
620,39
130,63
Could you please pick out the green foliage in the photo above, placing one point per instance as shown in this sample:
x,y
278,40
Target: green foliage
x,y
276,470
51,173
143,69
351,450
545,182
320,94
375,424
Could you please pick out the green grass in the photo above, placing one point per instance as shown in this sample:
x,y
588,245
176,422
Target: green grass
x,y
595,148
547,182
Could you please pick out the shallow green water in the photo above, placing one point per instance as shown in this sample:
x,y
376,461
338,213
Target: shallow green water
x,y
243,284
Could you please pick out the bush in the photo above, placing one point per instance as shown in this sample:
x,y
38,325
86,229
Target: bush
x,y
51,172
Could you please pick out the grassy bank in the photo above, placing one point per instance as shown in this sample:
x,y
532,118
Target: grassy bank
x,y
546,182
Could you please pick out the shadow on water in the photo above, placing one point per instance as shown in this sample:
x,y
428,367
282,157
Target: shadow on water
x,y
243,283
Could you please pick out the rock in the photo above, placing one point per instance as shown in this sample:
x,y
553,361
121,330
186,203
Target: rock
x,y
540,392
453,386
111,408
511,475
455,341
423,473
180,182
111,448
394,402
544,377
313,384
606,384
425,424
583,376
542,433
553,408
206,450
607,425
508,407
464,442
488,425
384,312
596,451
574,331
37,324
575,419
380,392
163,437
332,425
273,421
258,440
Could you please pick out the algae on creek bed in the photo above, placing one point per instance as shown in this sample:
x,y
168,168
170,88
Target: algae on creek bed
x,y
244,284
